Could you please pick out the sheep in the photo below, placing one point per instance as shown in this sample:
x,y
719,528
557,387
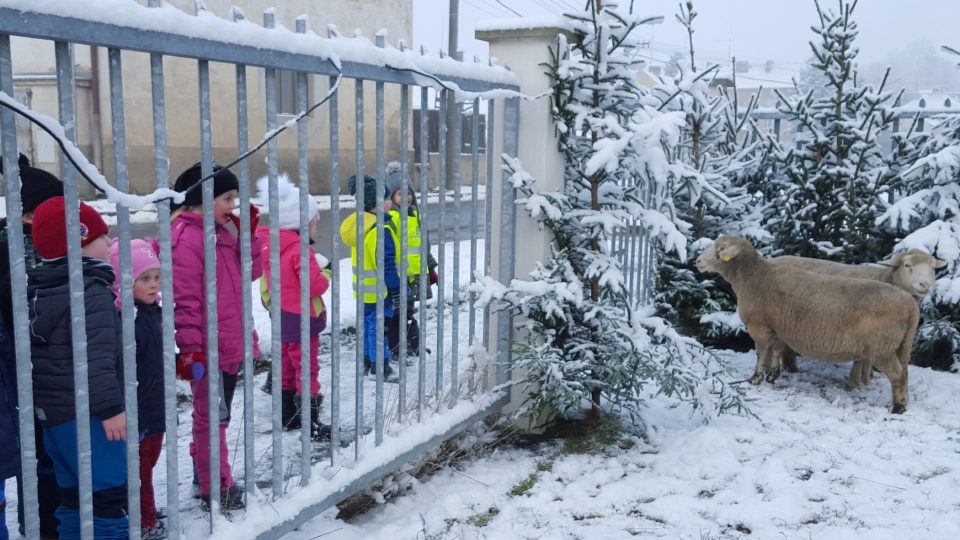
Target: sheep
x,y
832,318
912,271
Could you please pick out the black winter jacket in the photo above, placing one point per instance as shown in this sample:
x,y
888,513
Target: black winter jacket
x,y
48,294
149,333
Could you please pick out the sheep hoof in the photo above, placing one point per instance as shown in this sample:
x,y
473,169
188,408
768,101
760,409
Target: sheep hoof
x,y
757,378
899,408
773,375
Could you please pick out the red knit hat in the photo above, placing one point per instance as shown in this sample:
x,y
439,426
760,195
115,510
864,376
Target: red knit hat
x,y
49,227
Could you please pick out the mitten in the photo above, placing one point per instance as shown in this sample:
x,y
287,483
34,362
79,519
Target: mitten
x,y
191,366
434,277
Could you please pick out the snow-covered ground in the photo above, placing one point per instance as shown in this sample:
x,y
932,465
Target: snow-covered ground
x,y
817,462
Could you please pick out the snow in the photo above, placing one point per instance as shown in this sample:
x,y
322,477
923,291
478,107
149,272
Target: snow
x,y
817,462
526,23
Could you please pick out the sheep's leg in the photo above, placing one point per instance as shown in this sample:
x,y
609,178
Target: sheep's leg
x,y
775,363
856,380
866,372
764,344
897,375
789,360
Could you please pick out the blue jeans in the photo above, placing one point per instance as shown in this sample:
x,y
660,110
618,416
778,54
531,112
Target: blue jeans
x,y
370,335
109,461
4,534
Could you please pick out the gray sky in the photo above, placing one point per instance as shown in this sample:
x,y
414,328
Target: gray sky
x,y
753,30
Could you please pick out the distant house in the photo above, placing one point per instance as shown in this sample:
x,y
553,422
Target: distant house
x,y
35,85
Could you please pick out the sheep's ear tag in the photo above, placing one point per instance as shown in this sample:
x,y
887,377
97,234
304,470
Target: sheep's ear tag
x,y
726,258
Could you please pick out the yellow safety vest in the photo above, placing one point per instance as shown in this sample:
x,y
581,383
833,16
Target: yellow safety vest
x,y
369,272
413,241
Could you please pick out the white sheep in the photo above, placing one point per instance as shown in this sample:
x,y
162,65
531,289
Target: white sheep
x,y
831,318
913,271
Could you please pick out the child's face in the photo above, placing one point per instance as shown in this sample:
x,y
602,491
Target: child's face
x,y
314,223
147,285
397,197
98,249
223,206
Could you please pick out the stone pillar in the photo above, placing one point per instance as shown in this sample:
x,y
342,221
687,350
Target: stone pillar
x,y
524,48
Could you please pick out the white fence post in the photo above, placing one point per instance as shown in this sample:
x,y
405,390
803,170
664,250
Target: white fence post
x,y
524,49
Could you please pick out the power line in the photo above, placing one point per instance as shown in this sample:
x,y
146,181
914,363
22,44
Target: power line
x,y
508,8
484,9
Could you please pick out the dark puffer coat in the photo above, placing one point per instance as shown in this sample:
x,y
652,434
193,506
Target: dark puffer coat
x,y
48,294
149,368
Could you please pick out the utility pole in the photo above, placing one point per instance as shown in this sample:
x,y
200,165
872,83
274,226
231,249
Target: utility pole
x,y
452,116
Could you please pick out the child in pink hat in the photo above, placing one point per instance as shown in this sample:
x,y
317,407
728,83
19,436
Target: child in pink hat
x,y
145,267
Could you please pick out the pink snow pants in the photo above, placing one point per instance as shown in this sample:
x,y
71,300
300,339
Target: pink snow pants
x,y
200,447
291,368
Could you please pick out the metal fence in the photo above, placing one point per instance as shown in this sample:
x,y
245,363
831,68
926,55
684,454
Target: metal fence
x,y
442,391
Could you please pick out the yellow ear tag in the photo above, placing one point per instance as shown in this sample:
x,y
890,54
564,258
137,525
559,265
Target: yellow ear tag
x,y
726,258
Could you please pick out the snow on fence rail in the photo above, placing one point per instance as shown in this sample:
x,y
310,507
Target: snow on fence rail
x,y
454,380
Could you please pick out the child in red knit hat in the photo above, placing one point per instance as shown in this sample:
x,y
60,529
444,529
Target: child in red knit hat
x,y
48,288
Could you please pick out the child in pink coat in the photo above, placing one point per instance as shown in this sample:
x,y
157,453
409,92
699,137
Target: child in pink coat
x,y
291,367
189,296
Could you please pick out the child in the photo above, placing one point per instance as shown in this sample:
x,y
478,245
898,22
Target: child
x,y
36,186
145,267
189,296
48,291
368,284
288,222
415,244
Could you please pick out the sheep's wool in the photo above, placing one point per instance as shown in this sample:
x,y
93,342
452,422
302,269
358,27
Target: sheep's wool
x,y
289,194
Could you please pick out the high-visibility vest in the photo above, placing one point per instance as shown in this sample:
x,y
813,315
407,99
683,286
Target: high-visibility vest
x,y
414,241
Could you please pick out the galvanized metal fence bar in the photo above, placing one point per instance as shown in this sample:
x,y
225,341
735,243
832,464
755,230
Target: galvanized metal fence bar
x,y
359,272
425,254
474,209
276,353
455,308
71,193
441,240
162,171
20,322
210,293
382,351
404,210
128,315
488,235
306,353
508,236
246,297
335,306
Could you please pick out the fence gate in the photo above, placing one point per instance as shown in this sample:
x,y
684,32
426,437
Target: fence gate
x,y
376,425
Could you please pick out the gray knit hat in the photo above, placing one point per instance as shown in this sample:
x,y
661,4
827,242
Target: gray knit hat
x,y
395,178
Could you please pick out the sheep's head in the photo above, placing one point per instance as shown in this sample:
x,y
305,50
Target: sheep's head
x,y
913,271
726,248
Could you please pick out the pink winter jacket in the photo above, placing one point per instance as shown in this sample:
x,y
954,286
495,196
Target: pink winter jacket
x,y
189,292
290,284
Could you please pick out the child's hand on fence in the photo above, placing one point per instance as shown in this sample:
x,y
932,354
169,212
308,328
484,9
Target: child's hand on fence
x,y
116,427
191,366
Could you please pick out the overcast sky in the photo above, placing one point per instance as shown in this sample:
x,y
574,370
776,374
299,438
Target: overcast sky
x,y
753,30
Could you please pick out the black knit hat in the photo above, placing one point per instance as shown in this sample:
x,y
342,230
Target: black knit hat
x,y
370,199
223,182
36,185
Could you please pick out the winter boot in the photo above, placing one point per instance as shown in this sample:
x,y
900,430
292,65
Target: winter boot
x,y
289,410
267,387
318,430
389,375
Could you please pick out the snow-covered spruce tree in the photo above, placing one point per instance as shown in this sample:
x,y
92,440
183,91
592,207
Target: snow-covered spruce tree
x,y
930,212
580,339
830,180
715,146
